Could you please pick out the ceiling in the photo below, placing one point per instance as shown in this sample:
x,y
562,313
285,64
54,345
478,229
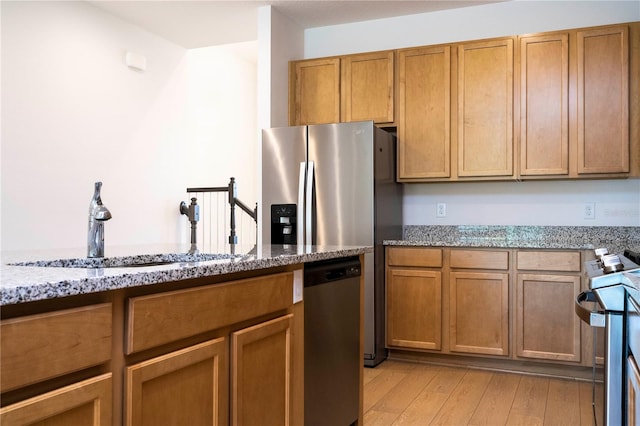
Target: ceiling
x,y
199,23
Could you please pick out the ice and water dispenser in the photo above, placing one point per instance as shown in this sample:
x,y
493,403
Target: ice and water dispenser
x,y
283,224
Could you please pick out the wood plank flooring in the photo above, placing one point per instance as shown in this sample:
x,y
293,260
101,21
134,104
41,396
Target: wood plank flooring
x,y
405,393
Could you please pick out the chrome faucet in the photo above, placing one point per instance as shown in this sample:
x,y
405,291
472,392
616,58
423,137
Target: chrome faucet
x,y
98,214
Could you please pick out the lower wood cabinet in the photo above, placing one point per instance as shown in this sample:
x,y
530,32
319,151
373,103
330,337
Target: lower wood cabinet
x,y
414,309
546,324
196,353
479,312
87,402
261,374
189,386
501,303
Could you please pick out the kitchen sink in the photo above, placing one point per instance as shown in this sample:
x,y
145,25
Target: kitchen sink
x,y
128,261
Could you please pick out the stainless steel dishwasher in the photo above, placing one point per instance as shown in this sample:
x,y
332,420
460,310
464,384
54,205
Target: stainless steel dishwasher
x,y
332,342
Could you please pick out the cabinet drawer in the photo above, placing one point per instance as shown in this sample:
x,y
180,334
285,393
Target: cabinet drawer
x,y
480,259
162,318
43,346
414,256
562,261
88,402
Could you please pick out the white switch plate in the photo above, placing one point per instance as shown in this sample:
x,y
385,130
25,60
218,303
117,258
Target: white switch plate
x,y
298,285
441,210
589,211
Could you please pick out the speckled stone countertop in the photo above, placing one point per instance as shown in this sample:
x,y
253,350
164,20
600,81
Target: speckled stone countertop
x,y
22,284
615,238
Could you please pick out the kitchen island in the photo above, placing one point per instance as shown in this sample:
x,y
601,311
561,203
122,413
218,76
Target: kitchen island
x,y
190,342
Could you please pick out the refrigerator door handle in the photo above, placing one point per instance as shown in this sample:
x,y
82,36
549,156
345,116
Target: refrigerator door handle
x,y
300,208
308,206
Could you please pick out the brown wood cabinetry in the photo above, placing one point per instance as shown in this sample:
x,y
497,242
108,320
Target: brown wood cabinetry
x,y
46,346
468,86
43,346
189,386
367,83
557,105
485,108
342,89
544,105
574,103
314,91
261,373
424,113
84,403
203,351
479,302
414,298
511,304
546,325
260,356
603,100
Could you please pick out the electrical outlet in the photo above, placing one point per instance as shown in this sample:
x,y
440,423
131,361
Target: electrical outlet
x,y
589,211
441,210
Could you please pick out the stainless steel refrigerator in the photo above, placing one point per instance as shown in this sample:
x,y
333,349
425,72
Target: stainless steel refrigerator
x,y
335,184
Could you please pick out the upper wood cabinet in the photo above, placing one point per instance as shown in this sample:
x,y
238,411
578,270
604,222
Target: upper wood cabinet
x,y
556,105
603,100
455,112
544,105
367,87
424,113
315,91
342,89
485,108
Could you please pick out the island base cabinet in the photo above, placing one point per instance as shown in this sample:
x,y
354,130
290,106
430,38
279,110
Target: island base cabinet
x,y
187,387
261,374
88,402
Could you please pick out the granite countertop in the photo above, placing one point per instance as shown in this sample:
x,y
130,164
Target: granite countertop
x,y
20,284
615,238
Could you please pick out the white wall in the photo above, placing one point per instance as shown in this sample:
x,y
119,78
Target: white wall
x,y
280,40
514,203
74,113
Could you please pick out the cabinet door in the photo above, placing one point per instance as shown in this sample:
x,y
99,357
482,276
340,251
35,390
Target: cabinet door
x,y
186,387
424,113
84,403
316,91
414,309
261,374
479,312
546,324
367,87
603,100
485,104
544,105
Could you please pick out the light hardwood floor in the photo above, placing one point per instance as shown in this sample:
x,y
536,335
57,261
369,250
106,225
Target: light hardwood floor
x,y
405,393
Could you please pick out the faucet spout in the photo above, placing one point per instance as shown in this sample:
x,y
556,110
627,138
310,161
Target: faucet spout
x,y
98,214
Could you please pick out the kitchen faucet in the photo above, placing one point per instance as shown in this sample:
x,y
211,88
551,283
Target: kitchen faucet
x,y
98,214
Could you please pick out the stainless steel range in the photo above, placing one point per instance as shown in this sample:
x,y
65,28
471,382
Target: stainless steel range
x,y
609,285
